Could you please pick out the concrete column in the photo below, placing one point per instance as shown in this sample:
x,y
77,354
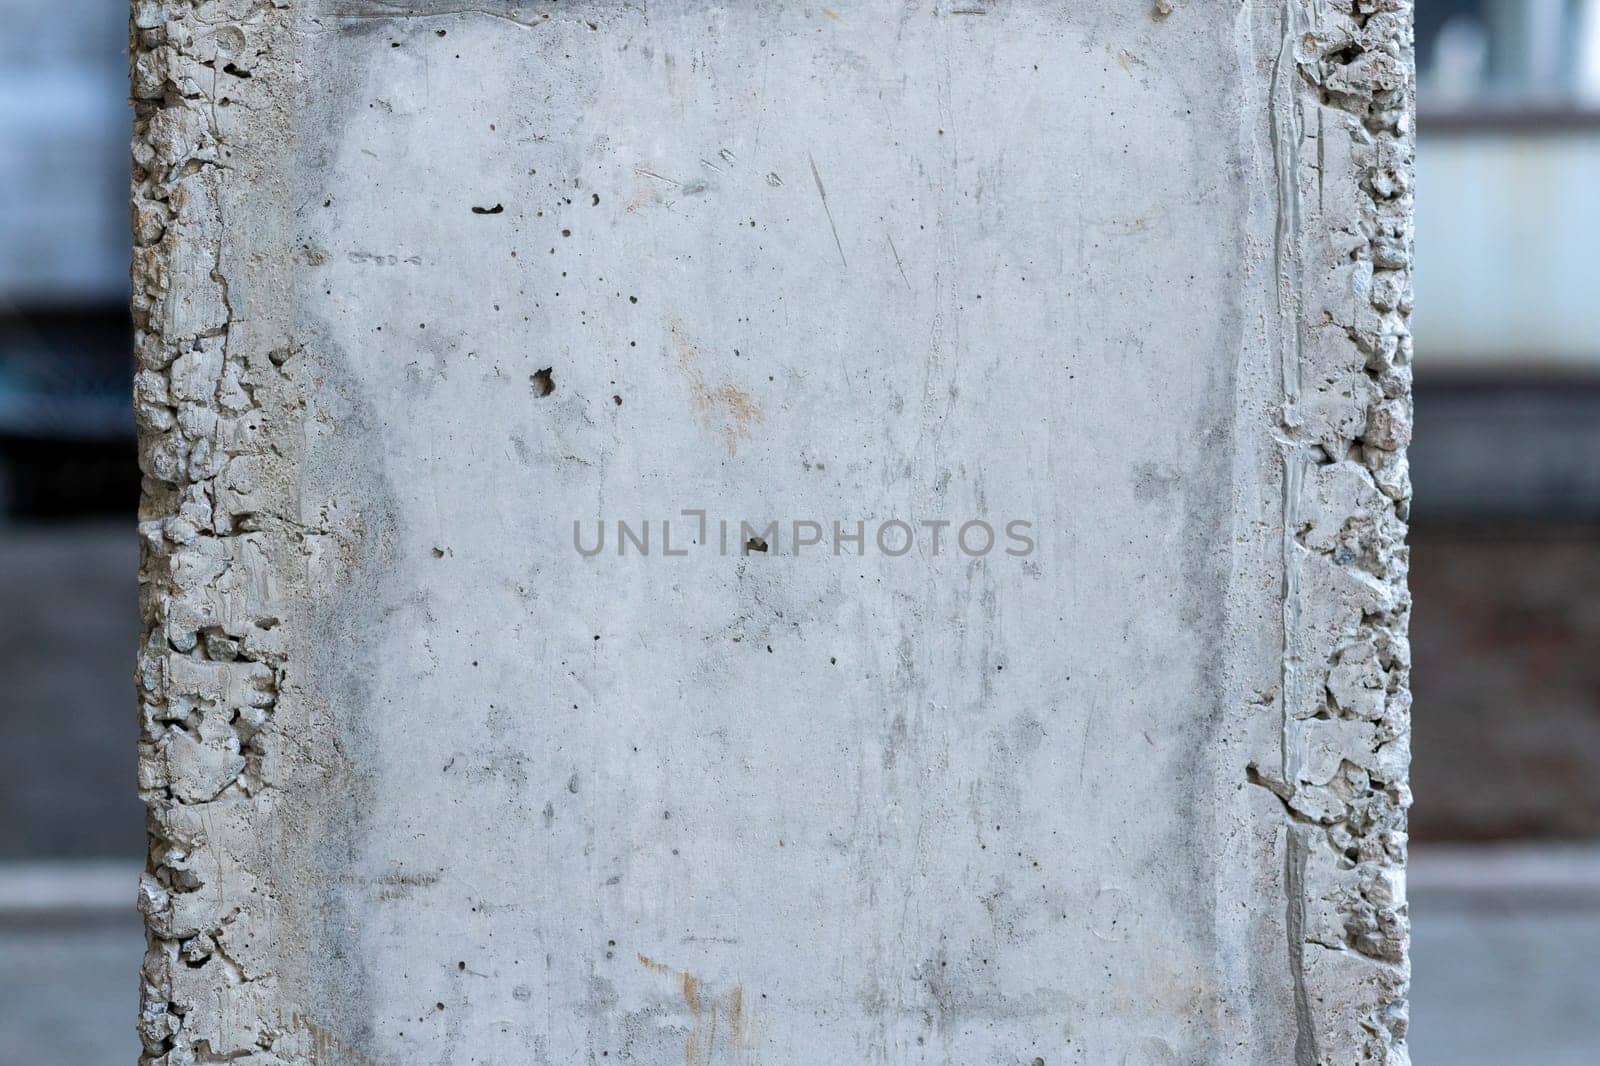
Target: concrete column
x,y
758,532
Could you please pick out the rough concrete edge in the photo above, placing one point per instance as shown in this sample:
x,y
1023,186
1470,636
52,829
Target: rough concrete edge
x,y
223,545
1343,109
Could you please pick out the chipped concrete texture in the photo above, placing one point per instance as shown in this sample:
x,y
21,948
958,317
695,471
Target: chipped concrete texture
x,y
421,285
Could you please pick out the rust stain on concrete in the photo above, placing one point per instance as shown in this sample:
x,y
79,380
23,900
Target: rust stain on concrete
x,y
724,409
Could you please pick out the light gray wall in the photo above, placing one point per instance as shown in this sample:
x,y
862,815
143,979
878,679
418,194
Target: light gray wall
x,y
430,785
1508,227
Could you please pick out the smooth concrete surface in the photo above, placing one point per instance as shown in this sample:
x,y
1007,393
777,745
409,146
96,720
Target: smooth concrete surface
x,y
788,805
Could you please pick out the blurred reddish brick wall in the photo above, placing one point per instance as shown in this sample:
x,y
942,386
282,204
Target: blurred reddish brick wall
x,y
1506,652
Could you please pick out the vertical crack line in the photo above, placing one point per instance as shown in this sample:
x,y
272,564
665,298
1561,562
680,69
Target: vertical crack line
x,y
1285,123
1295,853
1295,462
816,176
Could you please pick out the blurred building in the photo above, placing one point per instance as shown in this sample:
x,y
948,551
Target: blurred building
x,y
1505,553
65,361
72,839
68,482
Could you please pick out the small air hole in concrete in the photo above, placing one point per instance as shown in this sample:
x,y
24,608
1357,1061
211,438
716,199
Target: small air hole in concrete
x,y
543,383
617,400
754,544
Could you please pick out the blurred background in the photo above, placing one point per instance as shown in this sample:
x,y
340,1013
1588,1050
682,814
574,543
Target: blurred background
x,y
1505,876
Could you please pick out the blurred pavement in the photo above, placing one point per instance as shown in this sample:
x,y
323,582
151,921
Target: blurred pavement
x,y
1505,955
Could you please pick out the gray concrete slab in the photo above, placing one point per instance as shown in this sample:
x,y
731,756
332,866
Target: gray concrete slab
x,y
443,283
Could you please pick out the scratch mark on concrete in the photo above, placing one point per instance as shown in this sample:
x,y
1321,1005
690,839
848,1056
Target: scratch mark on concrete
x,y
391,12
659,177
897,262
823,193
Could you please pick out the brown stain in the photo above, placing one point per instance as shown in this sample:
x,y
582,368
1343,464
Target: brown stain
x,y
327,1049
689,988
725,409
736,1034
739,404
717,1022
691,992
642,195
